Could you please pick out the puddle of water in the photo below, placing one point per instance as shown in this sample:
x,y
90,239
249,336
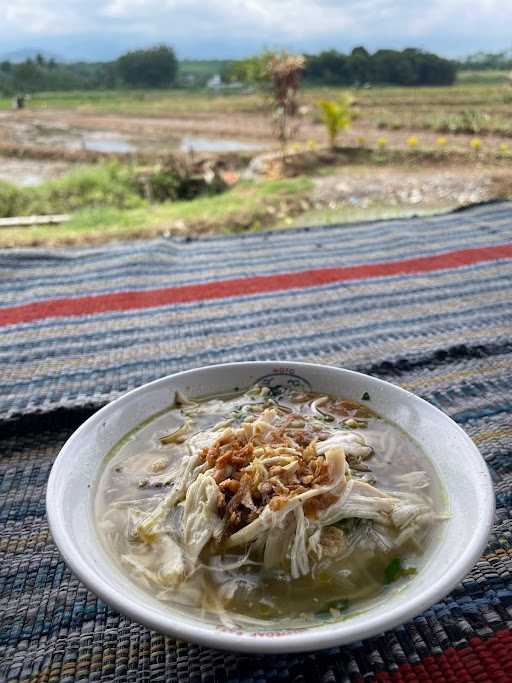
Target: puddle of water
x,y
111,143
198,144
26,172
29,179
100,142
108,145
104,141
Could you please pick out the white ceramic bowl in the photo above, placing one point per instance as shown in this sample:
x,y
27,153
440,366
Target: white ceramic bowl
x,y
460,467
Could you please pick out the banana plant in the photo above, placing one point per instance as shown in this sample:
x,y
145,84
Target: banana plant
x,y
337,115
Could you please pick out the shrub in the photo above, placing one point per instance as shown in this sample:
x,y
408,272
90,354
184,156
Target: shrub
x,y
161,185
112,185
468,121
181,180
11,200
104,185
390,124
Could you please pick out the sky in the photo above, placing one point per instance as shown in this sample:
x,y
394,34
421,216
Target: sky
x,y
208,29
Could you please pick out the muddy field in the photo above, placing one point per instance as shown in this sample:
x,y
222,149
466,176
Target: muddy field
x,y
251,129
35,134
468,129
39,134
128,123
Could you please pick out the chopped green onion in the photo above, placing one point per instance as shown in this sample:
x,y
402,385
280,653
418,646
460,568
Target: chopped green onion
x,y
395,571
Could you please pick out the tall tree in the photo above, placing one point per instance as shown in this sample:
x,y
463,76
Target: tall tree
x,y
361,65
25,75
155,67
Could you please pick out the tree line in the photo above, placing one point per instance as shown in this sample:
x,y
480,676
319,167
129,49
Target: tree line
x,y
394,67
385,67
154,67
487,61
157,67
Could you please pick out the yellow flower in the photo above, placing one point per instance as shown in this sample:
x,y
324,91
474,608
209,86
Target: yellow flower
x,y
475,144
382,142
296,147
412,141
504,148
312,144
441,141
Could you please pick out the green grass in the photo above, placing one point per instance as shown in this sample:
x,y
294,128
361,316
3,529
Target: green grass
x,y
108,184
248,205
486,77
143,102
347,213
473,89
475,121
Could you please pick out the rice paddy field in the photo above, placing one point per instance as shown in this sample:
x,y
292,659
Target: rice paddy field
x,y
408,150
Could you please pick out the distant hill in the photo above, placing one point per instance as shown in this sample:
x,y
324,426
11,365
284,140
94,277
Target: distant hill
x,y
21,55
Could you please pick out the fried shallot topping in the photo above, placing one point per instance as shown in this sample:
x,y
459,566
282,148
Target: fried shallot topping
x,y
267,462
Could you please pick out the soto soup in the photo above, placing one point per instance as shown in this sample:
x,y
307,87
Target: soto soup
x,y
269,509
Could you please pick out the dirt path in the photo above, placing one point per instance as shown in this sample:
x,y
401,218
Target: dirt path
x,y
421,187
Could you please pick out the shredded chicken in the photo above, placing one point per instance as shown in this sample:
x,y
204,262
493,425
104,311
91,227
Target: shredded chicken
x,y
260,464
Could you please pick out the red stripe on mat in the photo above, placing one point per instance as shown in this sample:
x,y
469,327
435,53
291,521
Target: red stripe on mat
x,y
486,660
124,301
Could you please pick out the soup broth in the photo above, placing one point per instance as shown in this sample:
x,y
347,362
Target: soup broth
x,y
270,509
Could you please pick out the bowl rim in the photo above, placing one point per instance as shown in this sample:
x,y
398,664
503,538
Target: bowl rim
x,y
308,639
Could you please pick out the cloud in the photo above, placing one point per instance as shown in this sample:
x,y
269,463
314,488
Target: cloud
x,y
236,27
44,17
